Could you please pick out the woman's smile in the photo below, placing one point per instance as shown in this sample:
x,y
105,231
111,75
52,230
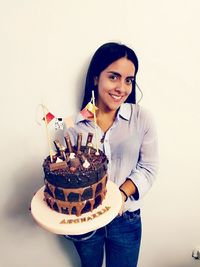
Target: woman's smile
x,y
116,97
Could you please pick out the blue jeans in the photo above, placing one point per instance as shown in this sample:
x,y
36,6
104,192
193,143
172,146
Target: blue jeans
x,y
122,239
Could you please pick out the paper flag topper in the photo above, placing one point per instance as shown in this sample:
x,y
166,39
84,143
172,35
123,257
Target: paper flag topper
x,y
59,124
49,117
91,107
87,114
88,111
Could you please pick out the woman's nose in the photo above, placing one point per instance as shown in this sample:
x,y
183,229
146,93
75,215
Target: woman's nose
x,y
121,87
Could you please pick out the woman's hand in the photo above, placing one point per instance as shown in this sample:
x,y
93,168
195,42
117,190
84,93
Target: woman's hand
x,y
123,202
127,189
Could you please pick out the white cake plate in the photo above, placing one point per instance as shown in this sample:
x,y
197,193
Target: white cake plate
x,y
63,224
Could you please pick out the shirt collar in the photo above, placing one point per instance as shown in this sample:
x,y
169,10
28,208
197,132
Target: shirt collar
x,y
123,112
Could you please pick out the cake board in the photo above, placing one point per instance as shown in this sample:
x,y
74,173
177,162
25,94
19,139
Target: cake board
x,y
63,224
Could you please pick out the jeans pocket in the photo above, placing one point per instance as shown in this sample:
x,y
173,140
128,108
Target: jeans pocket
x,y
132,216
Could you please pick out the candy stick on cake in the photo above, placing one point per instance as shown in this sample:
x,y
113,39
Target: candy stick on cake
x,y
89,142
68,143
60,149
69,146
79,142
89,139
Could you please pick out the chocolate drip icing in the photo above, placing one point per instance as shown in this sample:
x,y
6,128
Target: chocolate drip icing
x,y
80,204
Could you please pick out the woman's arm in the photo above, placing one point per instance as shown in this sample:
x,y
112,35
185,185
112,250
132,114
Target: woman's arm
x,y
141,178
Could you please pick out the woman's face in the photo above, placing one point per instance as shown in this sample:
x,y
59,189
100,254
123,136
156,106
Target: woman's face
x,y
115,84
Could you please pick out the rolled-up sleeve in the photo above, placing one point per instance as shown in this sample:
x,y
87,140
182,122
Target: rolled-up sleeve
x,y
146,169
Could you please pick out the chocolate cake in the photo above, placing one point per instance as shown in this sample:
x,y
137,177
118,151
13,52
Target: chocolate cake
x,y
75,178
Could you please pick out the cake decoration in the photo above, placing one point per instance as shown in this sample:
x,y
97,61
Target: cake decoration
x,y
59,124
95,123
58,165
68,143
48,117
86,219
89,113
79,142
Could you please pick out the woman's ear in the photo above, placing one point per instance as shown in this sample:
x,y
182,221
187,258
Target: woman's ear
x,y
96,81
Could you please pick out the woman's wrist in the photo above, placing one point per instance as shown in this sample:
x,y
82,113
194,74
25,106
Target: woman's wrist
x,y
128,188
124,194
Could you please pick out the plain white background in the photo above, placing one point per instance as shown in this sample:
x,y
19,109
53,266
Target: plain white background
x,y
45,47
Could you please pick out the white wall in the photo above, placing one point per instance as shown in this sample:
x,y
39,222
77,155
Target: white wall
x,y
45,48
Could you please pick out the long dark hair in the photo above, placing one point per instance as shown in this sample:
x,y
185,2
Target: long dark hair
x,y
103,57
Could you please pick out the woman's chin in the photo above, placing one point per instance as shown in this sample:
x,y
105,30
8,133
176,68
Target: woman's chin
x,y
113,108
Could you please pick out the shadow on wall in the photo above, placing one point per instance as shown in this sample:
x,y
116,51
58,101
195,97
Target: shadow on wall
x,y
26,183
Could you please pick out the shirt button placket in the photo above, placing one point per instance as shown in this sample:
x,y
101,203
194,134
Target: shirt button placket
x,y
107,150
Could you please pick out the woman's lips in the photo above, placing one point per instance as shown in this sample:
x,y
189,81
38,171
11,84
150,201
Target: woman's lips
x,y
116,97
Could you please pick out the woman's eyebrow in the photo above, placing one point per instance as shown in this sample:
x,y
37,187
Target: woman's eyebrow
x,y
115,73
119,75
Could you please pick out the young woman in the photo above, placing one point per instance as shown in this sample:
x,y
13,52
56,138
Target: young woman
x,y
127,136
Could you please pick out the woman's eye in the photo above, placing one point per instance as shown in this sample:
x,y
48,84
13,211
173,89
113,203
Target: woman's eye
x,y
113,77
129,80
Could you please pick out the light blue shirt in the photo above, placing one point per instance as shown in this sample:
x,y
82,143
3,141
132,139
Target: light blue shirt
x,y
130,146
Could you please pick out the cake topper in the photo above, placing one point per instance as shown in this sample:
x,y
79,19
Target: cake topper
x,y
59,124
47,118
95,123
89,113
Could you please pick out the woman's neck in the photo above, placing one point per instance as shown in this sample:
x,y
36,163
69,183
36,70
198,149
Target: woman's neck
x,y
105,119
